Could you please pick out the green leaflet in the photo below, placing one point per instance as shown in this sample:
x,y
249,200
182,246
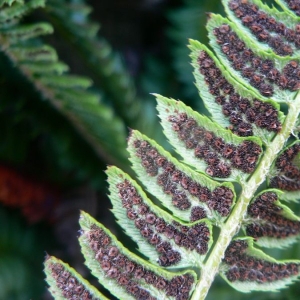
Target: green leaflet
x,y
187,194
122,272
280,84
280,36
19,10
21,33
10,2
66,81
153,229
231,104
66,283
285,173
31,54
288,9
248,269
270,223
204,140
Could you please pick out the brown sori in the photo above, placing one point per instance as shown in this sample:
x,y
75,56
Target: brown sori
x,y
260,73
158,232
240,112
289,175
244,267
266,28
270,222
129,274
220,156
294,5
177,184
68,284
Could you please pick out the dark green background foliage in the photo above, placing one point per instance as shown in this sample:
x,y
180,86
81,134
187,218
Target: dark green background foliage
x,y
140,49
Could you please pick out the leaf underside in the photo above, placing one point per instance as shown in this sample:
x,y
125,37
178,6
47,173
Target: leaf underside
x,y
230,176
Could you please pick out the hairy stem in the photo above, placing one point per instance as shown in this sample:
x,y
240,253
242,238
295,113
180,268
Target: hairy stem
x,y
233,223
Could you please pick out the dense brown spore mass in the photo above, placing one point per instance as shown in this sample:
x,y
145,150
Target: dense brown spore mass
x,y
220,156
240,112
244,267
129,274
260,73
294,5
178,185
158,232
288,178
267,219
266,29
68,284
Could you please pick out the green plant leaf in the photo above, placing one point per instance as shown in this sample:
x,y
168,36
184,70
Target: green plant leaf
x,y
126,275
275,31
231,104
187,194
68,93
66,283
285,173
205,145
164,239
279,82
270,223
248,269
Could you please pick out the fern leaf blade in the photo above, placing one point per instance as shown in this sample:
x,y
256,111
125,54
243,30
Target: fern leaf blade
x,y
289,6
66,283
25,32
270,223
125,274
196,139
232,105
285,173
281,83
161,237
189,195
248,269
17,11
273,30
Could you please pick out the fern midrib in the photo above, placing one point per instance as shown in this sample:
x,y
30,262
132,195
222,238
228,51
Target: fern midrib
x,y
232,225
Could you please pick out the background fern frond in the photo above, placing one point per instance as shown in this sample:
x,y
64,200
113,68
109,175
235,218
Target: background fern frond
x,y
69,96
106,68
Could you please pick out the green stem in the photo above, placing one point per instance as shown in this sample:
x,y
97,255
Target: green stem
x,y
233,223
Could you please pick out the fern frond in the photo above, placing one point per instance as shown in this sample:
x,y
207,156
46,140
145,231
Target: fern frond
x,y
230,182
67,93
108,72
